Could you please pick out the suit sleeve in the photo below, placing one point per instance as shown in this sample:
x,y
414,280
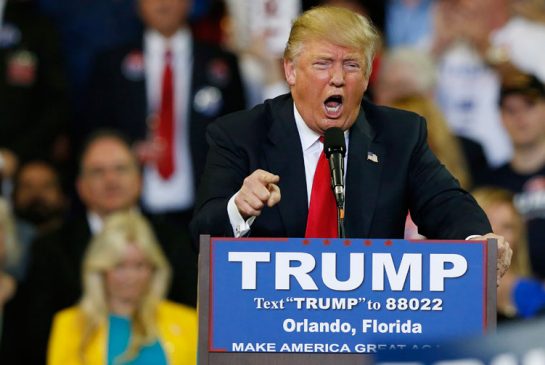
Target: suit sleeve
x,y
225,170
439,207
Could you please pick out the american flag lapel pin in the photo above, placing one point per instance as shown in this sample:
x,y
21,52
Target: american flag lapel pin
x,y
372,157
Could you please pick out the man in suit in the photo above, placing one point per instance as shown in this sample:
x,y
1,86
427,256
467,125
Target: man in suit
x,y
261,168
33,107
109,180
130,89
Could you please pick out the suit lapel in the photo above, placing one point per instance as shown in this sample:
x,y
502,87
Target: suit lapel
x,y
284,156
135,115
362,177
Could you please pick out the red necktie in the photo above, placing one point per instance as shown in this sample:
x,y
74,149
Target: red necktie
x,y
322,213
165,130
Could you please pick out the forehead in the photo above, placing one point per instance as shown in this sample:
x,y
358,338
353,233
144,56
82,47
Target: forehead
x,y
521,98
37,171
132,252
150,5
322,48
106,149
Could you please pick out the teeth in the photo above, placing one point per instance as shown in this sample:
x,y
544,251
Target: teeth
x,y
334,109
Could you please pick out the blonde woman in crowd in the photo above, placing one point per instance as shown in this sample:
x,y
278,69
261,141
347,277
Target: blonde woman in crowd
x,y
519,296
441,141
407,79
122,317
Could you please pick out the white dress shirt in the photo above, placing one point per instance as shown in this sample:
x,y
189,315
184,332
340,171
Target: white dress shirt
x,y
177,192
95,222
312,149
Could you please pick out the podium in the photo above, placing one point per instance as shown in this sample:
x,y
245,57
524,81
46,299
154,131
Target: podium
x,y
339,301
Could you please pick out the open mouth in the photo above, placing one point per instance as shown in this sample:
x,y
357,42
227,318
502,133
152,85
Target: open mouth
x,y
333,106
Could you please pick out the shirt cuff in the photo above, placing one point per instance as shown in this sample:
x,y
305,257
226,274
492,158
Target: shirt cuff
x,y
472,236
240,226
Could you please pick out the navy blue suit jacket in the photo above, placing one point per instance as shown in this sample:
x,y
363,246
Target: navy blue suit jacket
x,y
33,89
407,176
117,95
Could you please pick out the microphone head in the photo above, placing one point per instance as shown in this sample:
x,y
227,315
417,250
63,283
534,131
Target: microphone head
x,y
334,141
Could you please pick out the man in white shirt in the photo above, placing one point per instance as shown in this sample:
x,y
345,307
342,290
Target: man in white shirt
x,y
128,92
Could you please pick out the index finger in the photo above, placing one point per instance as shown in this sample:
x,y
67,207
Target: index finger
x,y
266,177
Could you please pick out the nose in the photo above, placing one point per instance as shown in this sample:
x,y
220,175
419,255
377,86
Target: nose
x,y
110,174
337,75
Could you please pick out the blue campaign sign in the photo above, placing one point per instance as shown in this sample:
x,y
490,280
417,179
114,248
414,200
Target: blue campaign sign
x,y
351,296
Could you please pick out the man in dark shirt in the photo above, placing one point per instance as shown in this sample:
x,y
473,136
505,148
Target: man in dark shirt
x,y
522,103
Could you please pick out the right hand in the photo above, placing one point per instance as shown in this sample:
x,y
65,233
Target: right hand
x,y
258,189
149,151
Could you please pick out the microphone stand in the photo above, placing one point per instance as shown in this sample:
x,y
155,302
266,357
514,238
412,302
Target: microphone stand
x,y
335,149
340,222
339,200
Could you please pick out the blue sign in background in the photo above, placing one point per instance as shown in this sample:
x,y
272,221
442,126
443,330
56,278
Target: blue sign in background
x,y
236,319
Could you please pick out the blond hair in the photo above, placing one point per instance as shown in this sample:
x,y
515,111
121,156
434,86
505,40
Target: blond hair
x,y
441,141
488,198
416,69
337,25
104,253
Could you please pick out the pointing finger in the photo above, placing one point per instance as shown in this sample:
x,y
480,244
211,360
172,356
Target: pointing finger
x,y
266,177
275,196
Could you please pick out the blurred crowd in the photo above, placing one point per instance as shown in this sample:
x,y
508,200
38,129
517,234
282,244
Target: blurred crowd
x,y
103,110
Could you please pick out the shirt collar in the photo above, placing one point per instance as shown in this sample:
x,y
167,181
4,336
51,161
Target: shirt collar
x,y
308,136
95,222
155,43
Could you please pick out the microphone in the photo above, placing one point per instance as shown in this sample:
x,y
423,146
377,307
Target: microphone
x,y
335,149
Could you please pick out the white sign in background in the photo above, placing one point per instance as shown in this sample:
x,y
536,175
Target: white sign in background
x,y
271,18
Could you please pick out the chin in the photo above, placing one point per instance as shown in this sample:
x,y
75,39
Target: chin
x,y
339,123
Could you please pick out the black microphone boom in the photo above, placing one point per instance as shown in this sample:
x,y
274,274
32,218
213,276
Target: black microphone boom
x,y
335,149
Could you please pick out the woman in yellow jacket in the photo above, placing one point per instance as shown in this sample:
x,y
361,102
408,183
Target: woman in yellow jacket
x,y
122,318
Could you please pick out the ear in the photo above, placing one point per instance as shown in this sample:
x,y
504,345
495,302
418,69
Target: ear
x,y
365,84
289,71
